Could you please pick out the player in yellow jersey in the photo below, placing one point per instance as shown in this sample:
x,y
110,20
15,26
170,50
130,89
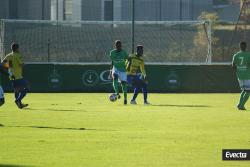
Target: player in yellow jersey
x,y
137,80
15,63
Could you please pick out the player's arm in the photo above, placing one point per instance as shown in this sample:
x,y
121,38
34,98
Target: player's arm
x,y
110,69
127,55
142,68
234,66
111,64
128,63
7,63
234,63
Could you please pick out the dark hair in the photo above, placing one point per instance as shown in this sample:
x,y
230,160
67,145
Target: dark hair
x,y
14,47
117,41
139,47
243,45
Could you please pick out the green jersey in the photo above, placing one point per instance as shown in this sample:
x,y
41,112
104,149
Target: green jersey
x,y
242,62
119,59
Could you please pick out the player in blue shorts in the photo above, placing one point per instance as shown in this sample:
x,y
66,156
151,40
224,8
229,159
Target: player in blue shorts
x,y
15,63
137,80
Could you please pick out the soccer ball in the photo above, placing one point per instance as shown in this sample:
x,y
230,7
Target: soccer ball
x,y
112,97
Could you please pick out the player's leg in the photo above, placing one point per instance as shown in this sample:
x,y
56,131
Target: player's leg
x,y
245,86
123,79
23,91
115,82
20,90
239,105
124,90
16,92
245,98
131,83
145,92
136,92
2,101
137,87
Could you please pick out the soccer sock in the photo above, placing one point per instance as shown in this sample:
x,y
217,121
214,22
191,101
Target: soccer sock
x,y
22,94
241,98
124,89
17,94
115,85
136,92
145,92
245,98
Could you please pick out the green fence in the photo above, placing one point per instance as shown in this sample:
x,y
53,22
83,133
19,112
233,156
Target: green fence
x,y
162,78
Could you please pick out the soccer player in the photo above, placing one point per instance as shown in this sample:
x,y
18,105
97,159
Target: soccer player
x,y
241,63
135,61
118,57
15,63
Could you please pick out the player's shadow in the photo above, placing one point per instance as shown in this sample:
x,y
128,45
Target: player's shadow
x,y
8,165
49,127
50,109
176,105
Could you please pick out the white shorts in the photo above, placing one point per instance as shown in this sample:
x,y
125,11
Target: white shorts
x,y
122,76
245,84
1,93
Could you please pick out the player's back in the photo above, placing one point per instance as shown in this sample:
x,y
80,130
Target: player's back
x,y
242,62
14,61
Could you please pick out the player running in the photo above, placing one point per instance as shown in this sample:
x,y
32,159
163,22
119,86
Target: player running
x,y
118,58
137,80
15,63
241,63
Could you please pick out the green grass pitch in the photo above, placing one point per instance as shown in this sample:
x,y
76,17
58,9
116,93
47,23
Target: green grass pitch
x,y
73,130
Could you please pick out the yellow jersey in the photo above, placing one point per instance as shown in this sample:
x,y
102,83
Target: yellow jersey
x,y
15,63
133,64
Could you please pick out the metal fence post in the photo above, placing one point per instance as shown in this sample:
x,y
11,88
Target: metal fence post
x,y
133,27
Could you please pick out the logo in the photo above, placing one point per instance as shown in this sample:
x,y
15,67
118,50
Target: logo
x,y
173,81
106,77
90,78
234,154
54,80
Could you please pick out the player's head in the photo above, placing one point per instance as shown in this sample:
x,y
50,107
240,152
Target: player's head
x,y
14,47
243,46
139,50
118,45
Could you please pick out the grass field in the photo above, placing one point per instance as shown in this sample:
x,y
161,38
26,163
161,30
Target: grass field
x,y
184,130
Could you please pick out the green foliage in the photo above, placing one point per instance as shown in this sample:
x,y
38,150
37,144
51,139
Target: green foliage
x,y
213,16
199,38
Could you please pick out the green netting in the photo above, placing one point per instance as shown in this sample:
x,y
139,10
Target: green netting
x,y
49,41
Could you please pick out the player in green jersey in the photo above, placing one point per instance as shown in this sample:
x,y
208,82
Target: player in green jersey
x,y
118,58
241,63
